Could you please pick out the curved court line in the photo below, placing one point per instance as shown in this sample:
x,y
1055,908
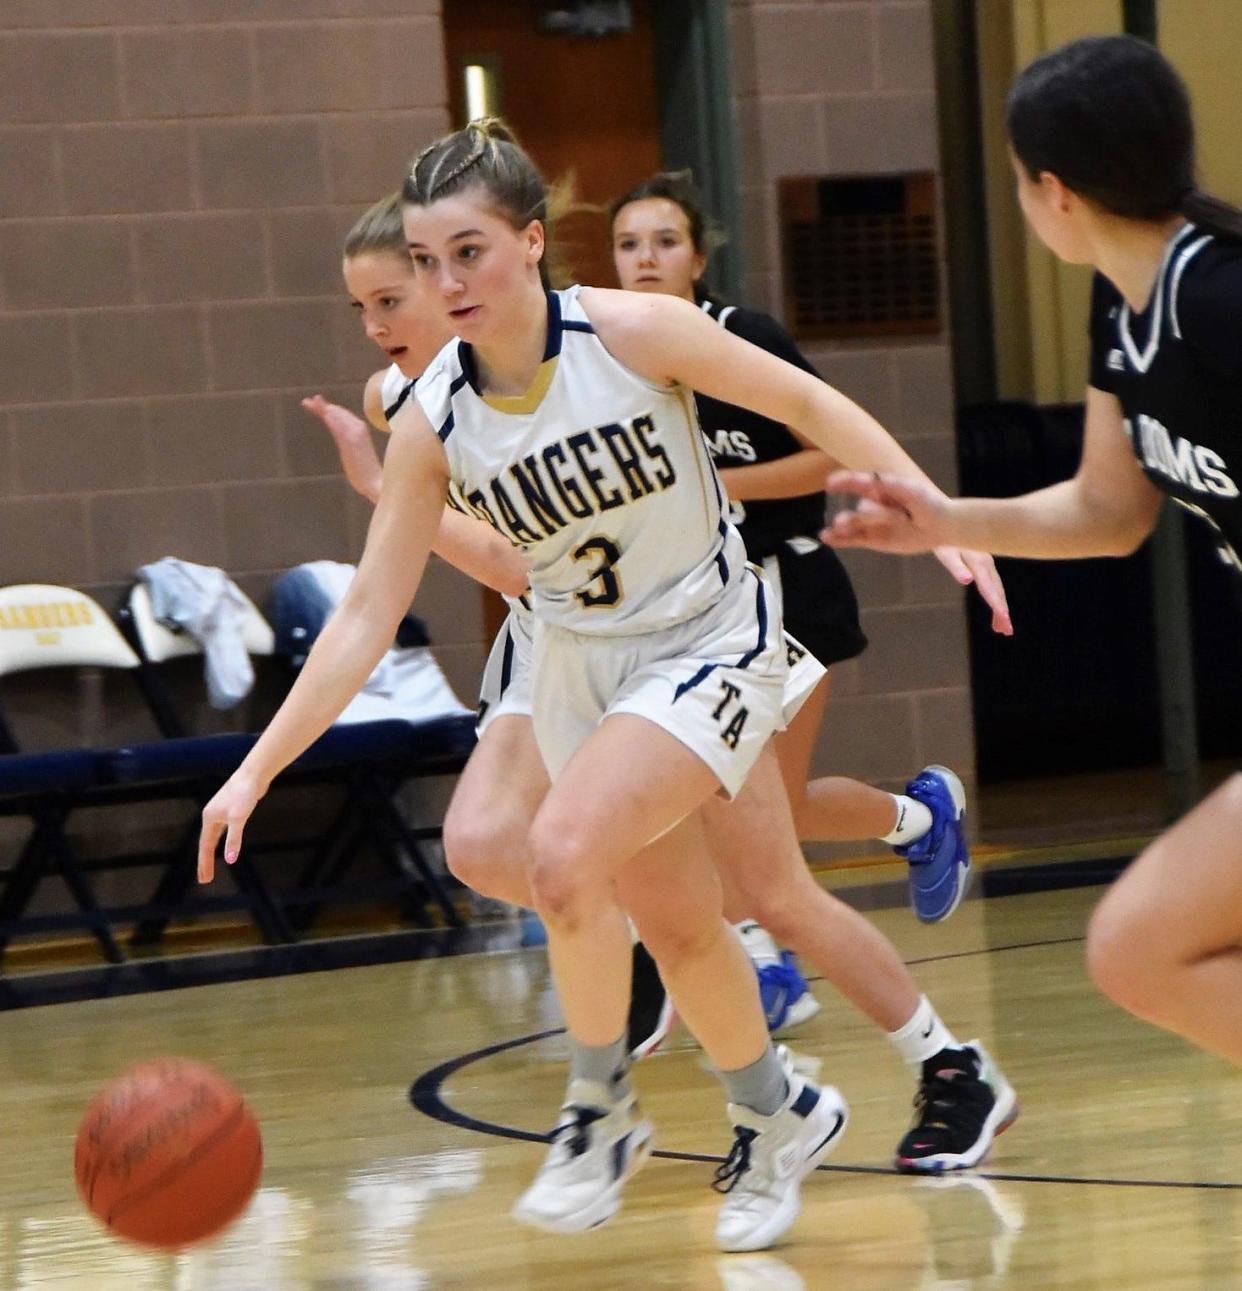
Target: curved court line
x,y
426,1094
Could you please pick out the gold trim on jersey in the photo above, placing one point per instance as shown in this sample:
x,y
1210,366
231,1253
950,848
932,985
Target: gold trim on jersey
x,y
531,398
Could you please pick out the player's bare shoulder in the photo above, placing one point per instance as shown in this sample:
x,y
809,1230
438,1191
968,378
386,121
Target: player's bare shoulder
x,y
630,313
640,329
373,400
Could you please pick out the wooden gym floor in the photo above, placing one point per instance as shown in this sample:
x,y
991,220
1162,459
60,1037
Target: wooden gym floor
x,y
1123,1170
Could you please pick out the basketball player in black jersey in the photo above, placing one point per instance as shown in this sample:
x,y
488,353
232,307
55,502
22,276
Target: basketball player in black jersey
x,y
1103,149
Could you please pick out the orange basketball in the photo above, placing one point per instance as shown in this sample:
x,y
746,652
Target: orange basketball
x,y
168,1153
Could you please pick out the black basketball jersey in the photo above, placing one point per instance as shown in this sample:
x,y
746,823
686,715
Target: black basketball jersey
x,y
738,437
1176,370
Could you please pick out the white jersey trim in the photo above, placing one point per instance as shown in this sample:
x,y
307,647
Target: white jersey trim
x,y
1142,361
1178,269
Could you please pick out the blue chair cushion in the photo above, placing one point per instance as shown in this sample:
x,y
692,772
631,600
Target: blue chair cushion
x,y
395,743
185,758
59,771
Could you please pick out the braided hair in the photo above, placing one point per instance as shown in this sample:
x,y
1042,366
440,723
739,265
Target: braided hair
x,y
486,154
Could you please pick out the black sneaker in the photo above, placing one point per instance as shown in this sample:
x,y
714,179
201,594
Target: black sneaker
x,y
651,1007
963,1103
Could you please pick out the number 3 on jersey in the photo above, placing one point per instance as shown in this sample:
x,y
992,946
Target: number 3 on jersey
x,y
604,589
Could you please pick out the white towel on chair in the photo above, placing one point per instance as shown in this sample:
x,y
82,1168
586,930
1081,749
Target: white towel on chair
x,y
205,602
407,683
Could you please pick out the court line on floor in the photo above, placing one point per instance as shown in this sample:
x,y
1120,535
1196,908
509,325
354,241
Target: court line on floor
x,y
427,1096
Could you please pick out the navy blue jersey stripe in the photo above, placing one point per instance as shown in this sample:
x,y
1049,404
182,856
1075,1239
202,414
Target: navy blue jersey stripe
x,y
572,325
761,613
721,564
697,680
391,411
553,346
506,662
446,429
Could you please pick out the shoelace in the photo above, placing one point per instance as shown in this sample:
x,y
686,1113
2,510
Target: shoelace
x,y
947,1103
736,1163
573,1134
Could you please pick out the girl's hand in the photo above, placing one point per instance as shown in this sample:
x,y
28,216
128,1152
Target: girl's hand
x,y
359,460
347,428
906,518
226,814
893,515
979,568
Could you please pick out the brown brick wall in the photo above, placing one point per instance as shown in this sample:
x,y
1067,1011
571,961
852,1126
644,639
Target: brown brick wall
x,y
846,87
175,178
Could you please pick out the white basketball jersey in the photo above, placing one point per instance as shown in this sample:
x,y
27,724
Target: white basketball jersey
x,y
601,477
394,391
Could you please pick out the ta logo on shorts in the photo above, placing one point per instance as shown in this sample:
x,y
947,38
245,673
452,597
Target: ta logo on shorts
x,y
737,714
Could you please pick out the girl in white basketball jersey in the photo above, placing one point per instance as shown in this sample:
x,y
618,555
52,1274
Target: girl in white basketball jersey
x,y
1102,145
564,420
504,780
753,842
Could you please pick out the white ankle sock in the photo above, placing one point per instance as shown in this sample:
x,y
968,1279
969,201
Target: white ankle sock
x,y
758,943
914,819
923,1036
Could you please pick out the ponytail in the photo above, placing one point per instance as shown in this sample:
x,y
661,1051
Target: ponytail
x,y
1211,214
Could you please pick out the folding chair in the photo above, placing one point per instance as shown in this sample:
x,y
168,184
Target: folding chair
x,y
48,627
190,766
369,760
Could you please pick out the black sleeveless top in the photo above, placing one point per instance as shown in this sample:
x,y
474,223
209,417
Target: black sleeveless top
x,y
1176,370
738,437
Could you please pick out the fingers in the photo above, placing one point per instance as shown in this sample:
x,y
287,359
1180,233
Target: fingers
x,y
209,841
860,484
992,589
954,561
858,529
233,839
208,838
316,405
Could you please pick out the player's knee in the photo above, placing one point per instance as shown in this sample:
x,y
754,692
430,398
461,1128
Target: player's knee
x,y
673,941
781,909
562,879
481,852
1121,959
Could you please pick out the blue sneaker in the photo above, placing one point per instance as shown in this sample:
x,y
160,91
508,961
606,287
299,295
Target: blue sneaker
x,y
940,860
786,997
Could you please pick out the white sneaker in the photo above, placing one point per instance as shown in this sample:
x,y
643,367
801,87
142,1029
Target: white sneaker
x,y
769,1159
594,1151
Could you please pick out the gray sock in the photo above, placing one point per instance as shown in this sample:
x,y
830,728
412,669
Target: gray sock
x,y
606,1065
762,1086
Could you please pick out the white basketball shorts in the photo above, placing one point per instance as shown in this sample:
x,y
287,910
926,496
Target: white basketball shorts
x,y
715,682
506,687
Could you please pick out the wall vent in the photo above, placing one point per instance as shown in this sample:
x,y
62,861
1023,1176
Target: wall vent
x,y
860,256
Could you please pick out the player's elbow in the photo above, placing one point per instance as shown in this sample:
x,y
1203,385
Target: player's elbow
x,y
1129,533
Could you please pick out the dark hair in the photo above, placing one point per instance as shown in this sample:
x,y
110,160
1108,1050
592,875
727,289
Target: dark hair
x,y
378,230
677,186
1110,117
487,155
